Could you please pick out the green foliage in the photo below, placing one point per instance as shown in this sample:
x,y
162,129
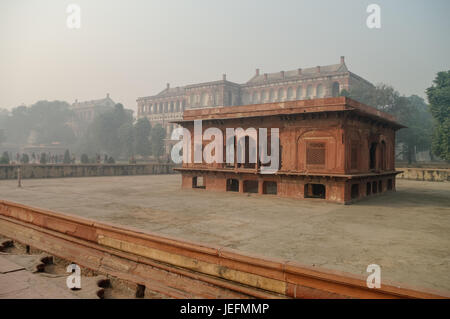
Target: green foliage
x,y
143,130
102,135
157,140
410,111
113,133
439,98
5,158
66,157
25,159
44,122
126,139
84,159
111,160
2,136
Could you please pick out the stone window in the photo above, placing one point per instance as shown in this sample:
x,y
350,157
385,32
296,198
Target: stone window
x,y
299,93
290,94
270,188
368,189
315,153
232,185
198,182
315,191
320,92
250,186
309,91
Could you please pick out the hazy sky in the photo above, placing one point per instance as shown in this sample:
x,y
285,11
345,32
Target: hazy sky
x,y
133,48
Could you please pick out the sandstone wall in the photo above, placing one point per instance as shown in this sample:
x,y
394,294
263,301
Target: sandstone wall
x,y
425,174
83,170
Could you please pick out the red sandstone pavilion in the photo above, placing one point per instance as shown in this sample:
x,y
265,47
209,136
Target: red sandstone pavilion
x,y
335,149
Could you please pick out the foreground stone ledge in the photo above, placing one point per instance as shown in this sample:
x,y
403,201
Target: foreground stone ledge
x,y
144,258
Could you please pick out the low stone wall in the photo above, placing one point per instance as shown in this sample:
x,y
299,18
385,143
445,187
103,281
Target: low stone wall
x,y
425,174
83,170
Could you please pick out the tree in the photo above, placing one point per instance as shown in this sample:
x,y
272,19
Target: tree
x,y
66,157
157,140
102,135
439,98
43,122
410,111
126,139
143,130
2,136
5,158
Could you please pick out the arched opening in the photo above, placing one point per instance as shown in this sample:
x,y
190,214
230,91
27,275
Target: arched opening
x,y
315,191
374,187
309,91
290,94
368,189
205,99
373,156
383,155
320,92
355,191
232,185
335,89
299,93
281,96
272,95
380,186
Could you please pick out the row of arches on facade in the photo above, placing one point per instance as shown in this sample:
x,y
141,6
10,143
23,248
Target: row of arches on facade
x,y
164,107
290,93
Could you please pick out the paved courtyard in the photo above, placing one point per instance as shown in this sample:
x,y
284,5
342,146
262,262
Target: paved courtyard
x,y
407,232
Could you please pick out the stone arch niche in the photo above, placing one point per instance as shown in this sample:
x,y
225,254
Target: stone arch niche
x,y
281,94
299,93
316,151
335,89
354,150
320,91
290,93
309,91
272,95
255,98
204,99
265,96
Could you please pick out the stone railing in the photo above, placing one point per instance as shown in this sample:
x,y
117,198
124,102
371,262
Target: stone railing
x,y
425,174
83,170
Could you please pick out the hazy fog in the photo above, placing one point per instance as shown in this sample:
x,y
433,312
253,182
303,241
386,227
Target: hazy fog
x,y
132,48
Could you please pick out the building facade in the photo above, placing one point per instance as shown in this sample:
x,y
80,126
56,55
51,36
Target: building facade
x,y
85,112
300,84
334,149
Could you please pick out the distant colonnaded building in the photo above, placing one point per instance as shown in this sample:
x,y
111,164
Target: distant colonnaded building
x,y
300,84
